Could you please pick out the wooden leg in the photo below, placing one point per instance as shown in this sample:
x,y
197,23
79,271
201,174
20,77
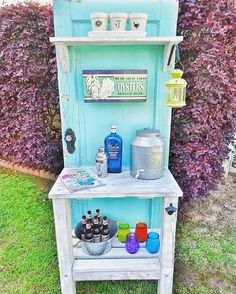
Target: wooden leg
x,y
62,220
167,251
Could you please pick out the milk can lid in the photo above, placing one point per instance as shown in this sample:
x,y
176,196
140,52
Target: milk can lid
x,y
148,132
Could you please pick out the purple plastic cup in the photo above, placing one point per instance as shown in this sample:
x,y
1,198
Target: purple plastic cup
x,y
132,243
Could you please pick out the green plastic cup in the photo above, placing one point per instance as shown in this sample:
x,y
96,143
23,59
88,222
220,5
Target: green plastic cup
x,y
123,231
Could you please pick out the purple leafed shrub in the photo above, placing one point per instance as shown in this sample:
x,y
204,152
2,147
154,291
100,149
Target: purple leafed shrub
x,y
201,130
29,109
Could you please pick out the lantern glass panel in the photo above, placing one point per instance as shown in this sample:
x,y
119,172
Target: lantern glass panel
x,y
176,95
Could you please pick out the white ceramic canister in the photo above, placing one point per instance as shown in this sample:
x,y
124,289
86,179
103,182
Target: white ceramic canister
x,y
99,21
118,21
138,21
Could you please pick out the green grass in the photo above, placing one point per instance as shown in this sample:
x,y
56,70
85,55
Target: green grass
x,y
203,247
28,261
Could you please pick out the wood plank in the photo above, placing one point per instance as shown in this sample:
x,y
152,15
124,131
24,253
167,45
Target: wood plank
x,y
87,41
64,244
167,252
116,269
123,185
115,253
107,265
116,276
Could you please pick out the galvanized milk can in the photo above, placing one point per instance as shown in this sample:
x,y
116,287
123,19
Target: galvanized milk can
x,y
147,155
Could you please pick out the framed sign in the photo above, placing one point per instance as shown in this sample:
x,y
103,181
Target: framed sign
x,y
115,85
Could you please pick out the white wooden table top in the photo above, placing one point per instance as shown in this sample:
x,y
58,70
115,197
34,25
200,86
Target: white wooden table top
x,y
122,185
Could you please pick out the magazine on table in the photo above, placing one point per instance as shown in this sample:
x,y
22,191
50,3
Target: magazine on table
x,y
77,179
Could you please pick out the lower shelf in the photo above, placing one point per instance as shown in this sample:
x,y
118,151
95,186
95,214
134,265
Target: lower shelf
x,y
117,264
116,269
118,250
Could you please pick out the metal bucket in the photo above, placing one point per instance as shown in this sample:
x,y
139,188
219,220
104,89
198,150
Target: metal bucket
x,y
100,248
147,155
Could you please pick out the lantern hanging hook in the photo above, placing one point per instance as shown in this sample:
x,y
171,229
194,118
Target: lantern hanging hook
x,y
177,58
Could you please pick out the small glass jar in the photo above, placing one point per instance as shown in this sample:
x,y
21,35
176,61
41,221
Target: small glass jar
x,y
141,232
123,231
153,242
132,243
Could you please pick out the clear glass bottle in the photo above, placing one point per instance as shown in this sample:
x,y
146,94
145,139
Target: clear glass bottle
x,y
101,163
113,149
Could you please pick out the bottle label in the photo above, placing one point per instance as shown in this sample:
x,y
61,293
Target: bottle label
x,y
113,151
105,237
89,239
97,238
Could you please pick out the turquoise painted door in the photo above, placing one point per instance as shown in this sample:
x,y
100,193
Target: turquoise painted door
x,y
91,122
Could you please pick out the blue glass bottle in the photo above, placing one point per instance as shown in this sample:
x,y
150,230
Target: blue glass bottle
x,y
113,149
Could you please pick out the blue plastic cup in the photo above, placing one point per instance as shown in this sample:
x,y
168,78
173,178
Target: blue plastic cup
x,y
153,242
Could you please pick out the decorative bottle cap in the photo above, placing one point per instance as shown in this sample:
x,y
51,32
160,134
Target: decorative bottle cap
x,y
113,129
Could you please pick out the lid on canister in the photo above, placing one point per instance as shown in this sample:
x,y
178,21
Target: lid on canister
x,y
148,132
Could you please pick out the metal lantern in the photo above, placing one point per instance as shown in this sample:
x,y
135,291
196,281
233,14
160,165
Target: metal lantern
x,y
176,90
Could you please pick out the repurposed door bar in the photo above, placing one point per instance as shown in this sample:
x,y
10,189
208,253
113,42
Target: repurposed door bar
x,y
85,125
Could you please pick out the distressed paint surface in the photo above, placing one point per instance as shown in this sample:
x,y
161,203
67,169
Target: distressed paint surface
x,y
91,122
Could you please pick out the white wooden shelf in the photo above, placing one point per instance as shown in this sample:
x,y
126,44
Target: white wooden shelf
x,y
122,185
88,41
116,269
62,44
117,264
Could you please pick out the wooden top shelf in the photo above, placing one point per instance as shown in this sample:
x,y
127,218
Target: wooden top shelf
x,y
122,185
62,44
88,41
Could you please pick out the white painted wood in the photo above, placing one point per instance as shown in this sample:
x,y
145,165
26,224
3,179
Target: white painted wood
x,y
123,185
115,253
116,34
167,249
116,269
62,53
167,51
64,244
116,276
86,41
165,284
